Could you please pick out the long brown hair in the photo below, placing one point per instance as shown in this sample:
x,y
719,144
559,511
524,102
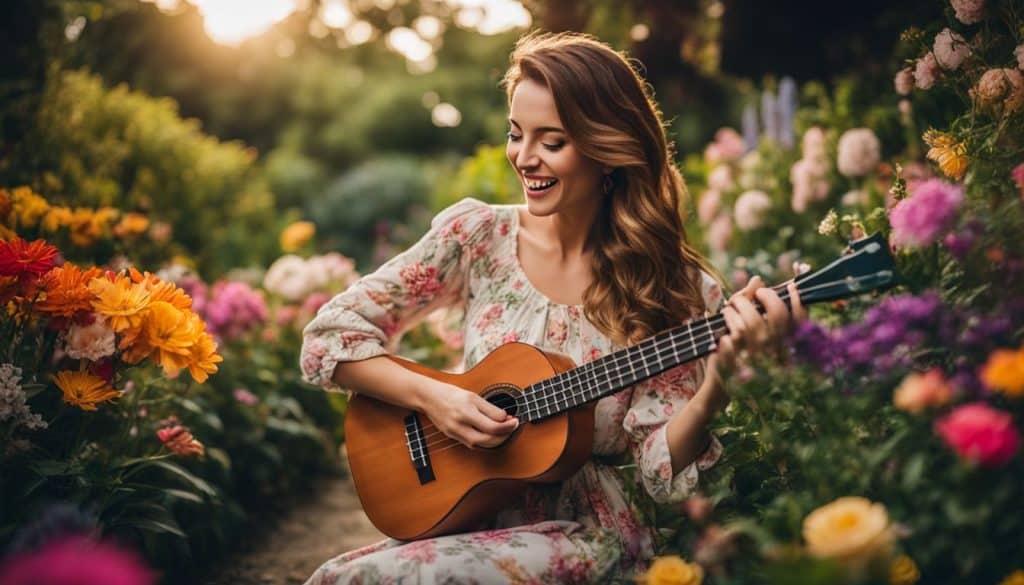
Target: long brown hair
x,y
646,274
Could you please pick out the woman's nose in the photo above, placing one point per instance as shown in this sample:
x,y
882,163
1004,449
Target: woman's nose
x,y
526,158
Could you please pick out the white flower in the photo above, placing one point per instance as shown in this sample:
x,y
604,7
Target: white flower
x,y
751,208
855,198
289,278
813,143
720,178
950,49
89,342
859,152
13,408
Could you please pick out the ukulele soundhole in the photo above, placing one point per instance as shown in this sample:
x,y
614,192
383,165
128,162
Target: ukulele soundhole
x,y
505,397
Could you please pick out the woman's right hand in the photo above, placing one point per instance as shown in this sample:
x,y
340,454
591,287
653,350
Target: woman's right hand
x,y
466,417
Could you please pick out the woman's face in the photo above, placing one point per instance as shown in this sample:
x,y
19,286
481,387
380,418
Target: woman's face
x,y
555,176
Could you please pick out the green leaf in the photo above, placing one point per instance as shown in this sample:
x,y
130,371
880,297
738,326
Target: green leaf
x,y
155,526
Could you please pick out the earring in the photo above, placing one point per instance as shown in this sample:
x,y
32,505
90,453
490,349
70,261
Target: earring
x,y
607,184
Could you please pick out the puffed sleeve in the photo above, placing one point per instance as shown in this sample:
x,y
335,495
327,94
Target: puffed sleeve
x,y
365,320
652,405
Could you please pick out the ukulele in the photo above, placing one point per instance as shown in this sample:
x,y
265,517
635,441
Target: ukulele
x,y
415,482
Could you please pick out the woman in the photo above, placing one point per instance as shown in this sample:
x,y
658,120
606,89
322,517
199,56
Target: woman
x,y
595,261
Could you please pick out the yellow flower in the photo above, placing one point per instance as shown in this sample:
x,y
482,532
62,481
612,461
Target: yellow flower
x,y
56,218
297,235
203,358
166,336
83,389
672,570
120,300
950,155
903,571
28,207
88,226
1004,372
161,290
851,529
1014,578
132,224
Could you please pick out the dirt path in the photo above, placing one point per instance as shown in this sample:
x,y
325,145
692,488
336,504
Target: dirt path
x,y
328,524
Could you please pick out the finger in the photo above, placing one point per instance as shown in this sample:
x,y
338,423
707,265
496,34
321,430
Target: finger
x,y
755,283
776,314
735,324
796,305
490,410
755,331
490,427
726,353
473,438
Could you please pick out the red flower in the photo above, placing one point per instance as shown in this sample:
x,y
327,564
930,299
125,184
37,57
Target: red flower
x,y
181,442
20,258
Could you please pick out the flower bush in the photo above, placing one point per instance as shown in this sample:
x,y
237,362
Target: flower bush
x,y
885,447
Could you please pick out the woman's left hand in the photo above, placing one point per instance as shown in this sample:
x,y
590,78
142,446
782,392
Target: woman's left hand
x,y
749,330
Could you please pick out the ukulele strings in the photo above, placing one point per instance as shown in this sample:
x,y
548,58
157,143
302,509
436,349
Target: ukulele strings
x,y
714,322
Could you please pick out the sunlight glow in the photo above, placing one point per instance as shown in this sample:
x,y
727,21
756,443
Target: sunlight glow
x,y
230,22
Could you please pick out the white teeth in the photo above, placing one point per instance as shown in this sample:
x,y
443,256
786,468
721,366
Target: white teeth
x,y
537,185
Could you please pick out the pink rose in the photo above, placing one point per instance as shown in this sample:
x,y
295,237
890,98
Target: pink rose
x,y
926,70
969,11
91,342
980,434
950,49
1000,89
904,81
918,392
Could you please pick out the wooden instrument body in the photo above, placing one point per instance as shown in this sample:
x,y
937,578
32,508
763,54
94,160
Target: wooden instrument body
x,y
469,484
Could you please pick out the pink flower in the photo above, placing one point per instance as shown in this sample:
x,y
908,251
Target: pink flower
x,y
314,301
980,434
719,232
720,178
234,309
950,49
812,145
245,397
926,70
1019,54
1018,176
421,551
920,219
919,392
180,441
1000,89
420,280
968,11
709,204
698,507
728,146
904,81
751,209
859,152
77,561
808,178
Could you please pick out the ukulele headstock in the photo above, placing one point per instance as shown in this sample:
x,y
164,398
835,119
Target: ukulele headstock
x,y
868,266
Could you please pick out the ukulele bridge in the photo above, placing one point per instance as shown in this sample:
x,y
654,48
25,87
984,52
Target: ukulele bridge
x,y
417,445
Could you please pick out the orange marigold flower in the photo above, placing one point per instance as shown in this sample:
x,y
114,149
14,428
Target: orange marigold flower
x,y
132,224
83,389
28,207
950,155
20,258
297,235
120,300
167,337
180,441
204,357
1004,372
66,290
161,290
88,226
56,218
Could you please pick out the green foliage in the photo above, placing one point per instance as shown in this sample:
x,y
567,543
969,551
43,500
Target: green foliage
x,y
94,146
487,175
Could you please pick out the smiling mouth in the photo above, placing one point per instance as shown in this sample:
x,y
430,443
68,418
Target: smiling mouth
x,y
539,186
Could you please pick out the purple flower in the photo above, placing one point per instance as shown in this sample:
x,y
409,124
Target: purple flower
x,y
920,219
76,561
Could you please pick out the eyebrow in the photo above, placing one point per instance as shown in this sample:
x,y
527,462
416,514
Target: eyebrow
x,y
541,129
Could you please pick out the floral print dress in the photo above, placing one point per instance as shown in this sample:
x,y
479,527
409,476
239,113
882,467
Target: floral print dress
x,y
582,530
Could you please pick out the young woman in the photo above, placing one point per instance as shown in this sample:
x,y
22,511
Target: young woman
x,y
596,260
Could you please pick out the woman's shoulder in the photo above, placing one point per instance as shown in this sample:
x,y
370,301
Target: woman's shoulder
x,y
470,215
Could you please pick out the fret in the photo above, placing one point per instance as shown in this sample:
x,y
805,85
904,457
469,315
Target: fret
x,y
693,340
714,338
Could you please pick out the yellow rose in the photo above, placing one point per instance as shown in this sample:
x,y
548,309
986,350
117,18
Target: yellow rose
x,y
851,530
903,571
672,570
297,235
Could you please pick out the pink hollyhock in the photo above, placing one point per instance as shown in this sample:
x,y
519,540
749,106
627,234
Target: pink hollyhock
x,y
728,146
980,434
76,561
926,70
920,219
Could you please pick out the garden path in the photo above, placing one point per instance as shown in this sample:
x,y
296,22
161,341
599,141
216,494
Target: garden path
x,y
329,523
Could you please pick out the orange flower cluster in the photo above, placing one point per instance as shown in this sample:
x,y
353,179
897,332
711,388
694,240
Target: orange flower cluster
x,y
155,321
21,209
1004,372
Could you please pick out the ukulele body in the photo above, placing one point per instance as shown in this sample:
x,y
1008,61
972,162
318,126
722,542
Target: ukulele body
x,y
459,487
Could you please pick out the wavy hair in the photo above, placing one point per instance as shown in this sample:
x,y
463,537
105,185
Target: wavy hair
x,y
646,274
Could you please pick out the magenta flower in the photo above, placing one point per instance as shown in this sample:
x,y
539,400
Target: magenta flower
x,y
76,561
980,434
1018,176
233,309
920,219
